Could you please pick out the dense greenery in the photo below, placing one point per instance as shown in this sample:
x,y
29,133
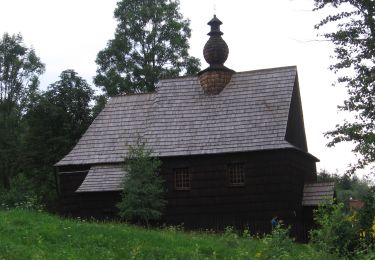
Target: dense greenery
x,y
143,191
346,234
20,68
37,128
354,40
150,43
34,235
53,125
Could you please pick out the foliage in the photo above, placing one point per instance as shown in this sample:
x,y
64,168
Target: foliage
x,y
143,190
276,245
19,72
72,95
35,235
151,42
366,220
36,128
354,41
20,195
54,124
336,232
59,117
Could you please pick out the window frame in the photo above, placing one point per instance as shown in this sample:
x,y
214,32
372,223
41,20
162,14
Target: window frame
x,y
236,174
182,177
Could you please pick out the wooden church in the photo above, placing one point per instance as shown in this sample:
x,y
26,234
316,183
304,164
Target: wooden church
x,y
232,146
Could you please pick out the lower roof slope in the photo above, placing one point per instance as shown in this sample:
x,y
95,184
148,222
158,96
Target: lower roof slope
x,y
250,114
315,194
103,178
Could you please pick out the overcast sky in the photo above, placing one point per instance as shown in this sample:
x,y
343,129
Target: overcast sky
x,y
260,34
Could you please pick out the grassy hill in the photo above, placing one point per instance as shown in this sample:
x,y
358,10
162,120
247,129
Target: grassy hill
x,y
34,235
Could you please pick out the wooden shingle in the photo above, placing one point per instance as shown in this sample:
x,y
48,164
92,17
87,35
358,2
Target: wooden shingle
x,y
317,193
250,114
103,178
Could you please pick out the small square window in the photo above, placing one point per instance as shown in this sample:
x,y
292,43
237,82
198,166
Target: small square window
x,y
236,174
182,179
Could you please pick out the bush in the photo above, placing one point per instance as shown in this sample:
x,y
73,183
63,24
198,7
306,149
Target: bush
x,y
337,232
366,220
143,190
277,245
20,195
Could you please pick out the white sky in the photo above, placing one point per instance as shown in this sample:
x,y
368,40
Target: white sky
x,y
260,34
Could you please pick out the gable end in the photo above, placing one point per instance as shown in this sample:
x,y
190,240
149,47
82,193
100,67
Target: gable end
x,y
295,132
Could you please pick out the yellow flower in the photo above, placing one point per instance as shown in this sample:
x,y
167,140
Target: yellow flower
x,y
258,254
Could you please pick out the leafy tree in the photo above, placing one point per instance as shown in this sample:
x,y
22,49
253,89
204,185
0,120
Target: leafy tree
x,y
143,192
354,41
72,95
151,42
19,72
54,124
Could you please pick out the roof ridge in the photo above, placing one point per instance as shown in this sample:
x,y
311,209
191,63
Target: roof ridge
x,y
162,118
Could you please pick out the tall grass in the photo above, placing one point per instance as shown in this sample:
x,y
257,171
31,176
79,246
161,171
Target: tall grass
x,y
26,234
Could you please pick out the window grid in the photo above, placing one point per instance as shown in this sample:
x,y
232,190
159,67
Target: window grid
x,y
236,174
182,179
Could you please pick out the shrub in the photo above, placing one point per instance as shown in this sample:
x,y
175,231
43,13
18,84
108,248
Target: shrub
x,y
276,245
143,191
366,220
20,195
336,232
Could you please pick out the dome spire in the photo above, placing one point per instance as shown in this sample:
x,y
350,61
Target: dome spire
x,y
215,26
214,78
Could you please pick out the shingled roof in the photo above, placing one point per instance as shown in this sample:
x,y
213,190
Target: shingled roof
x,y
103,178
317,193
250,114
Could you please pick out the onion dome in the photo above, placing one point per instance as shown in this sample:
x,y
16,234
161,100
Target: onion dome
x,y
216,50
214,78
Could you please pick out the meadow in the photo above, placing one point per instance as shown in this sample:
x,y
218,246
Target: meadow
x,y
26,234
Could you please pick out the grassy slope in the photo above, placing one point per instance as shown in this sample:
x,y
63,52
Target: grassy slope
x,y
32,235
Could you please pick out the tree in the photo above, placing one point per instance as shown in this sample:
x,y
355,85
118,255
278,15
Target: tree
x,y
354,42
19,72
54,124
72,95
151,42
143,191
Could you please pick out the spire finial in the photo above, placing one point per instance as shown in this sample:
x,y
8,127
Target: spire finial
x,y
215,26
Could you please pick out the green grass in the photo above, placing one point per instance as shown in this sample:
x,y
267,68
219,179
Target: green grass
x,y
33,235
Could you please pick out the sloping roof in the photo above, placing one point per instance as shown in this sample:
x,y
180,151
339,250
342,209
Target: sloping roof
x,y
103,178
250,114
317,193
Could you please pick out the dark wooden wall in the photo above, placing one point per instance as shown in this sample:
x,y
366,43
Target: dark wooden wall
x,y
100,205
273,186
